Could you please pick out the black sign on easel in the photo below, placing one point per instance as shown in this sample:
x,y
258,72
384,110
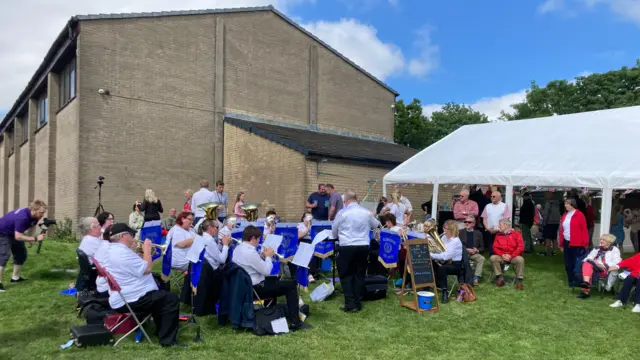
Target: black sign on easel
x,y
420,268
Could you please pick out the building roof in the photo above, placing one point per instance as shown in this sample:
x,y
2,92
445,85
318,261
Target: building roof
x,y
64,37
318,144
592,149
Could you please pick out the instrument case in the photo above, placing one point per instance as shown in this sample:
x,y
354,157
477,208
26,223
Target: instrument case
x,y
91,335
375,287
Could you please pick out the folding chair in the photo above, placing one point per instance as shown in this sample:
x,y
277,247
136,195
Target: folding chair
x,y
115,287
86,280
511,266
175,277
262,302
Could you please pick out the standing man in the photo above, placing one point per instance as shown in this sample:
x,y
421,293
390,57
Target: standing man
x,y
200,197
491,216
463,208
222,197
527,213
13,228
335,202
318,202
351,228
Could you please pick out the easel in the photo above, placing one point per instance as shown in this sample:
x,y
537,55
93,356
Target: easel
x,y
423,273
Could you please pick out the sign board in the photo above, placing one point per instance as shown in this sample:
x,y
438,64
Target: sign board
x,y
420,268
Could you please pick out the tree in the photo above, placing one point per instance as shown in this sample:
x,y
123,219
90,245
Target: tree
x,y
416,130
613,89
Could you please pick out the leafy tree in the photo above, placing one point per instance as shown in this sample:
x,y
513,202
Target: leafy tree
x,y
613,89
450,118
410,125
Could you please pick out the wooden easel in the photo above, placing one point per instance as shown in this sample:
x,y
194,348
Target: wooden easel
x,y
420,268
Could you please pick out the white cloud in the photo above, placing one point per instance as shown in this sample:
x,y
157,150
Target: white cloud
x,y
29,27
491,106
428,59
626,9
550,6
360,43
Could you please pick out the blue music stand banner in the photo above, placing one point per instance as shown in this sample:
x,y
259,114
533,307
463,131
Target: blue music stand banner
x,y
324,249
152,230
196,272
389,248
289,246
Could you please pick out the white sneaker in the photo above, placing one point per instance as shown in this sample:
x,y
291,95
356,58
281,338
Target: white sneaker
x,y
617,304
636,309
311,279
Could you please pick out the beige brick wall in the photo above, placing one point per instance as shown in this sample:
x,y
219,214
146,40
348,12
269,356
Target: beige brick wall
x,y
264,170
41,169
24,175
349,100
155,130
11,183
66,182
266,67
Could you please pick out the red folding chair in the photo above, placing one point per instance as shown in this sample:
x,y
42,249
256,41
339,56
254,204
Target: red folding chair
x,y
114,287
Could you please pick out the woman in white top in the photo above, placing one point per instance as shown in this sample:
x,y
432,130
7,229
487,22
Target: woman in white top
x,y
304,235
269,224
603,261
181,240
450,261
397,208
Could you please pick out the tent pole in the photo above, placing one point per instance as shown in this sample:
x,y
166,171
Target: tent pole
x,y
384,188
605,211
508,199
434,201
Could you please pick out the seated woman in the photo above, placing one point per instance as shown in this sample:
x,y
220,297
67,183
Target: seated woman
x,y
304,235
603,261
632,264
181,240
136,219
450,261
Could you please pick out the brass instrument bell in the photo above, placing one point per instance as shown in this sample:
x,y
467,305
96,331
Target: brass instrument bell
x,y
430,228
251,211
210,209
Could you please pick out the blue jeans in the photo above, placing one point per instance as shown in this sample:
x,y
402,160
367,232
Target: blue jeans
x,y
572,255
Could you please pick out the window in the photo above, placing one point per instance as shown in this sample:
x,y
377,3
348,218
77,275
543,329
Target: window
x,y
24,122
43,111
10,138
68,83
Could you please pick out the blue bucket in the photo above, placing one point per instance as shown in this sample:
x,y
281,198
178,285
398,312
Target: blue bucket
x,y
425,300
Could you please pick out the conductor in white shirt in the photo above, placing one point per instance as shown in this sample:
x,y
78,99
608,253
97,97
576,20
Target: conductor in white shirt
x,y
246,256
351,227
138,286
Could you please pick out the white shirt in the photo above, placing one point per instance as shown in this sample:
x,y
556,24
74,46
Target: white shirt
x,y
398,210
406,203
224,231
303,228
246,256
200,197
266,230
127,268
179,256
89,245
453,250
214,256
566,225
611,257
101,256
353,224
493,213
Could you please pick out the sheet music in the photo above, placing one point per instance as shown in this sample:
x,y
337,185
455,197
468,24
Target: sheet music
x,y
151,223
273,241
196,248
322,236
303,255
280,326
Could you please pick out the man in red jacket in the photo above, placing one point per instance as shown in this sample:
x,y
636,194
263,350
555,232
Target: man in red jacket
x,y
508,247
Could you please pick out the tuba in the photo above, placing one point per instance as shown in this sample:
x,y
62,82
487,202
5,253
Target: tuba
x,y
251,211
436,245
210,213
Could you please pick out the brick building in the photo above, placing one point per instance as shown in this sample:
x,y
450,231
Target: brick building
x,y
162,100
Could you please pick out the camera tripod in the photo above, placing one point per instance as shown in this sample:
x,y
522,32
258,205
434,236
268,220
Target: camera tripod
x,y
99,208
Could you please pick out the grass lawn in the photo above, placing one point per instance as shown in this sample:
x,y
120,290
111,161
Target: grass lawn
x,y
546,321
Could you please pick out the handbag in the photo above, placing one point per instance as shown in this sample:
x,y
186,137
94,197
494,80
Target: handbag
x,y
468,295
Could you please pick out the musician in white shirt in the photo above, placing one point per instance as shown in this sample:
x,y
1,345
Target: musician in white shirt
x,y
246,256
269,224
352,227
138,286
450,261
304,235
90,228
181,240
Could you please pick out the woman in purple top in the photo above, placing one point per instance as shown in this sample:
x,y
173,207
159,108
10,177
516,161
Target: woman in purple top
x,y
13,228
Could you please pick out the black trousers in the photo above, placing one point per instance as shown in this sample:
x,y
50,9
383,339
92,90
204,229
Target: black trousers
x,y
626,290
442,271
352,269
209,291
286,288
571,255
165,309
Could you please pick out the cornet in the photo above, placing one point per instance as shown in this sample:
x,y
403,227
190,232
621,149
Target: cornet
x,y
137,247
238,242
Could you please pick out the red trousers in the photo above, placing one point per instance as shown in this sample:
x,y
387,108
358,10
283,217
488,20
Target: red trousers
x,y
587,270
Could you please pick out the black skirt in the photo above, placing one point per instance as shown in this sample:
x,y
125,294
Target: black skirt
x,y
550,231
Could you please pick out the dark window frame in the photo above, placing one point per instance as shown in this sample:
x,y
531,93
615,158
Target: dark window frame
x,y
42,110
24,121
68,83
10,136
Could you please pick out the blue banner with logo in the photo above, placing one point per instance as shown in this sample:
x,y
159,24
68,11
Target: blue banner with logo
x,y
152,230
289,246
324,249
389,248
196,272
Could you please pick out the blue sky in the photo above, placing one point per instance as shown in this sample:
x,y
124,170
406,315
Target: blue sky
x,y
482,53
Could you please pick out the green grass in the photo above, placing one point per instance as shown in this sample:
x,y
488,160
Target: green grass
x,y
546,321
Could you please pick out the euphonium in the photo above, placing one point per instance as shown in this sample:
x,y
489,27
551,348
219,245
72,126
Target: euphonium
x,y
210,213
251,211
431,228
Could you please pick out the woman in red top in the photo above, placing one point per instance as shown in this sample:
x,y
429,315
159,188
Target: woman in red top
x,y
632,264
187,200
574,239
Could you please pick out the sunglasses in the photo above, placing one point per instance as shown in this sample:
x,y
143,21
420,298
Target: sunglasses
x,y
468,222
494,197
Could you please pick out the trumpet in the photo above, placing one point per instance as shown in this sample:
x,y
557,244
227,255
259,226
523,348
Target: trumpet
x,y
238,242
137,247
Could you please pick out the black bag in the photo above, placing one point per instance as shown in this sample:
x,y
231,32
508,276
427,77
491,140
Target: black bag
x,y
94,311
91,335
375,287
264,317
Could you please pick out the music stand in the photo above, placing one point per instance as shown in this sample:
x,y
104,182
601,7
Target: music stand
x,y
334,265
